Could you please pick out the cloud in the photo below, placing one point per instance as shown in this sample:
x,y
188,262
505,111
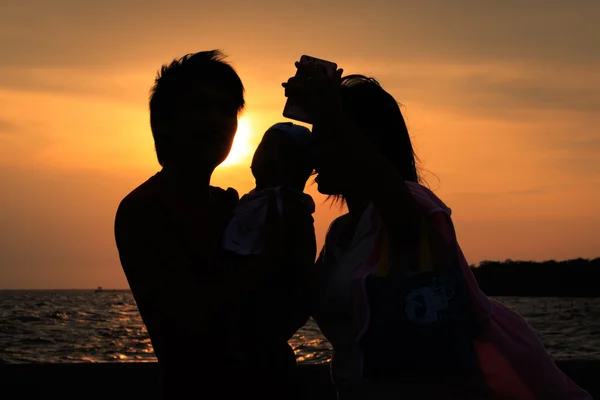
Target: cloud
x,y
475,195
480,90
115,85
516,91
529,238
470,57
481,196
528,192
7,126
577,164
21,141
530,65
111,33
575,152
56,227
587,145
531,93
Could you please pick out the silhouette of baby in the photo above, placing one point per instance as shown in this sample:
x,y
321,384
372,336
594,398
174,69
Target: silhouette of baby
x,y
280,306
281,167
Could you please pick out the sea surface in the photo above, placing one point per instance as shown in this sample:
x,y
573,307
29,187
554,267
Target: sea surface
x,y
82,326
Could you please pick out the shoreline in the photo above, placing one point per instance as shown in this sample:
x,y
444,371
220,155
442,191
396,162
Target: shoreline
x,y
490,293
140,380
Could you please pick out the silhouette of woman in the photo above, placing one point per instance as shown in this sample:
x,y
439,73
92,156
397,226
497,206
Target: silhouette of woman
x,y
394,294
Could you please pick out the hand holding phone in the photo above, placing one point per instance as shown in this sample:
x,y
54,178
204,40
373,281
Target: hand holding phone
x,y
307,69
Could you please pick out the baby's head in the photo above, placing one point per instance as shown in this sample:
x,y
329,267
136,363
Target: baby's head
x,y
283,157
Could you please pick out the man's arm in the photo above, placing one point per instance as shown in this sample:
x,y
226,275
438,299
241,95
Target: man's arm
x,y
300,249
300,241
300,230
163,276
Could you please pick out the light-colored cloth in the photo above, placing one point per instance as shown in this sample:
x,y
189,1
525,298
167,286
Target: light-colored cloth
x,y
244,234
298,133
512,359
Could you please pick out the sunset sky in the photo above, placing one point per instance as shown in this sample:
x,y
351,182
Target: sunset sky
x,y
502,99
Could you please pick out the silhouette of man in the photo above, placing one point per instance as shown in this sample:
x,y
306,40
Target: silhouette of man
x,y
168,234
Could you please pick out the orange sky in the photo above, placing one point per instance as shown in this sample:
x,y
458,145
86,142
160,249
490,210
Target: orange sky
x,y
502,99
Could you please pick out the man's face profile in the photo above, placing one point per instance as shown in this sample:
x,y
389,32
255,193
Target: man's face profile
x,y
206,125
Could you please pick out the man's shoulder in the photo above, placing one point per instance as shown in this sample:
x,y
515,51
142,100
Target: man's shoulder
x,y
141,200
230,196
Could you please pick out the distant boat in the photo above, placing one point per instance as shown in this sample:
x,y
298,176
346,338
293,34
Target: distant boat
x,y
99,289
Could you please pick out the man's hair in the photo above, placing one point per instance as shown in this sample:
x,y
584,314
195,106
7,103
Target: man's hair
x,y
172,82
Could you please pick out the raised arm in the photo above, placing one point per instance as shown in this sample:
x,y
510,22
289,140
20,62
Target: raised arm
x,y
347,153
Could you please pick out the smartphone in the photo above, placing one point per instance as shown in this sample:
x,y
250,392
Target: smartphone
x,y
291,109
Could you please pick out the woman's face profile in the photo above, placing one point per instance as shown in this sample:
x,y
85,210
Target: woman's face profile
x,y
328,177
328,183
324,186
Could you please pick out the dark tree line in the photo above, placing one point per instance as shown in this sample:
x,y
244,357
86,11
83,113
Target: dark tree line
x,y
570,278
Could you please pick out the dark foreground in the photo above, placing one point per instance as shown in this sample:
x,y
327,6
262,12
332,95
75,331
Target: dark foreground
x,y
127,381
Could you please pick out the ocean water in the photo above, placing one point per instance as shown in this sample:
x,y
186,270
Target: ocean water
x,y
83,326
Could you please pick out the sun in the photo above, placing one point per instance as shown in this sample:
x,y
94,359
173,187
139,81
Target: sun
x,y
241,148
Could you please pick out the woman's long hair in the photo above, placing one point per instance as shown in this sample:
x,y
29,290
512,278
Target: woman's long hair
x,y
377,115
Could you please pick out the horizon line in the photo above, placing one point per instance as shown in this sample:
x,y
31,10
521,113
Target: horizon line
x,y
65,289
